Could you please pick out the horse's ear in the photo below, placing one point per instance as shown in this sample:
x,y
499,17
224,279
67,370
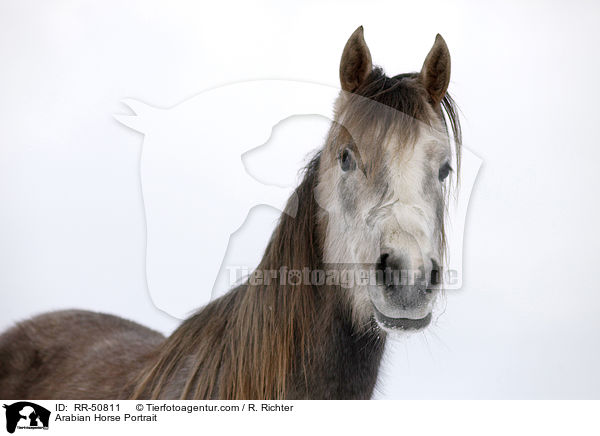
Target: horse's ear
x,y
435,73
356,63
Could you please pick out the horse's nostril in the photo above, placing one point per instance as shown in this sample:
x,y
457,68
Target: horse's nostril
x,y
435,278
382,262
388,271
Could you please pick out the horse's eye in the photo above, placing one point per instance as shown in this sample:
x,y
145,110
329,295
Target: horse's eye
x,y
444,171
346,159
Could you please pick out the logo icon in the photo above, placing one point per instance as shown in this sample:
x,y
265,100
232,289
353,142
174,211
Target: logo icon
x,y
26,415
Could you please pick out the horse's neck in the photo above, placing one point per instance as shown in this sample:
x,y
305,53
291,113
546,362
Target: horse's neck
x,y
343,360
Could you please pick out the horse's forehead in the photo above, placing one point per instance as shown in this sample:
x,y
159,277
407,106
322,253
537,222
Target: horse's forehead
x,y
395,150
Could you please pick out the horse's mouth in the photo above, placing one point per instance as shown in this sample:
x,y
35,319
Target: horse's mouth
x,y
402,323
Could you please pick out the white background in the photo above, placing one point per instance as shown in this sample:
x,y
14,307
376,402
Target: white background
x,y
525,324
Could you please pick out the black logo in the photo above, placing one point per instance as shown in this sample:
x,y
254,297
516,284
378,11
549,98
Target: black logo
x,y
26,415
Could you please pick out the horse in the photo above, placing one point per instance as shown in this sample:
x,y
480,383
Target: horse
x,y
372,202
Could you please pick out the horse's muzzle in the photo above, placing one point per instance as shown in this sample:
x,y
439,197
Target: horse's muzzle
x,y
403,296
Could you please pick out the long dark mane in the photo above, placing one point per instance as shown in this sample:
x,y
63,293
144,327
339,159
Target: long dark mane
x,y
250,337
